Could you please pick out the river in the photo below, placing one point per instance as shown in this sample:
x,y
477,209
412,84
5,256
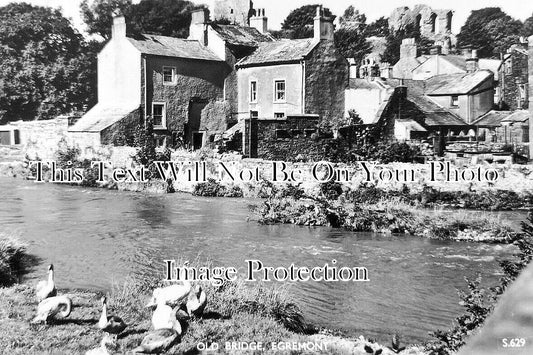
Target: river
x,y
96,237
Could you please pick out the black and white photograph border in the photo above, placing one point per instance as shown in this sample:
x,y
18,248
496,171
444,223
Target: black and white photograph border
x,y
277,177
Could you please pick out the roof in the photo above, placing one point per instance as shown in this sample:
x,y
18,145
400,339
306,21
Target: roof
x,y
172,47
411,125
455,60
460,84
518,116
102,116
491,119
433,113
282,51
241,36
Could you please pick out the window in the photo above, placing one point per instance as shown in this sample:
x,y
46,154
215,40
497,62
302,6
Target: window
x,y
279,114
279,90
509,67
169,75
522,88
455,101
253,91
254,114
159,115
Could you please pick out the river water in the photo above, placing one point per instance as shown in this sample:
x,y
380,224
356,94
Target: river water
x,y
96,237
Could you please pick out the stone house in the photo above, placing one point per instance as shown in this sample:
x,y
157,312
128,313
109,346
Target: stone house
x,y
177,82
294,77
187,86
287,79
513,83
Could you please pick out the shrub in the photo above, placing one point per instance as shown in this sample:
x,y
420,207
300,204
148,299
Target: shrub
x,y
211,188
331,190
12,252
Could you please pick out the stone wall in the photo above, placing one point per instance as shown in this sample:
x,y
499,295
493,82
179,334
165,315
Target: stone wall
x,y
288,139
196,81
237,11
326,79
123,132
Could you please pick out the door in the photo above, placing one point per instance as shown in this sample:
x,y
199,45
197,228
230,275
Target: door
x,y
194,122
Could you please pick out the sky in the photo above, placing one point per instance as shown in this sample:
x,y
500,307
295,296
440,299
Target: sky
x,y
277,10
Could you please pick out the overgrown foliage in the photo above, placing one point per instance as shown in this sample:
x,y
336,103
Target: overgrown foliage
x,y
395,38
299,22
490,31
46,67
212,188
162,17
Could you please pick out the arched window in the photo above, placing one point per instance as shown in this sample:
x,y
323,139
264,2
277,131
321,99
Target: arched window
x,y
433,21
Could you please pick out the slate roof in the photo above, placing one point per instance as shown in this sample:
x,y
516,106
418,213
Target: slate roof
x,y
172,47
241,36
283,51
518,116
491,119
434,114
102,116
456,84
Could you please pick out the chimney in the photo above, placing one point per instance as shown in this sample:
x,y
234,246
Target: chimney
x,y
119,27
472,63
198,27
524,43
408,48
259,21
323,27
353,68
530,71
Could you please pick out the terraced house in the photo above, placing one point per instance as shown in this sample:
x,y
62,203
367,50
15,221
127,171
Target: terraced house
x,y
195,89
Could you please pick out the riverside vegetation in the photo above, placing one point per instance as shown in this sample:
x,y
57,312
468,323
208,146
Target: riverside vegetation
x,y
236,312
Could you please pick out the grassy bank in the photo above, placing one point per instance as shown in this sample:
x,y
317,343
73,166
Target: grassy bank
x,y
235,312
384,216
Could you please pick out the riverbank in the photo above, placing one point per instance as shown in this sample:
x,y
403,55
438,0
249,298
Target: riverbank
x,y
236,313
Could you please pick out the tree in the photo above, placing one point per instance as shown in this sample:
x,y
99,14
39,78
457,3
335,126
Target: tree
x,y
299,22
352,18
490,31
527,30
395,38
98,14
378,28
45,66
162,17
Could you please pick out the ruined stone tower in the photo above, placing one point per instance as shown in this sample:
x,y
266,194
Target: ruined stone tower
x,y
236,11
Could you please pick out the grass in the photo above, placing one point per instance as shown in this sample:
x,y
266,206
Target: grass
x,y
12,253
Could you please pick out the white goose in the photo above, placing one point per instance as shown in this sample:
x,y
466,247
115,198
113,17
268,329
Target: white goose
x,y
196,302
46,288
110,323
173,295
52,306
164,317
157,341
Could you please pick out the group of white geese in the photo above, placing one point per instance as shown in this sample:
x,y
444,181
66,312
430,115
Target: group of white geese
x,y
172,304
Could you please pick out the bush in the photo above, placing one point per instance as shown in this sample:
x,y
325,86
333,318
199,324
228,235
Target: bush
x,y
211,188
12,252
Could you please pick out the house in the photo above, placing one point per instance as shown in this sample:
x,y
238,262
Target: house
x,y
508,127
294,77
178,83
292,80
513,83
187,86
